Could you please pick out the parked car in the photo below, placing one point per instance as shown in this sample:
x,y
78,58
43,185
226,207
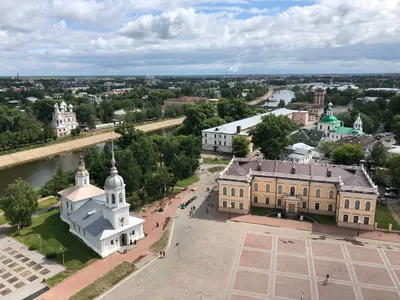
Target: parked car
x,y
383,202
390,195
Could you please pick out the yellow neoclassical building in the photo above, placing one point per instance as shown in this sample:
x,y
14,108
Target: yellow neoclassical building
x,y
346,192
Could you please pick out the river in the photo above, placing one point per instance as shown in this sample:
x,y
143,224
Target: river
x,y
37,173
285,95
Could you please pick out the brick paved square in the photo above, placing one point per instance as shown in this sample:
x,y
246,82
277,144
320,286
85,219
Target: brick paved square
x,y
44,272
32,278
258,241
292,245
326,250
26,273
251,282
373,294
254,259
292,264
335,269
240,297
335,291
5,292
290,287
369,255
393,257
19,284
373,275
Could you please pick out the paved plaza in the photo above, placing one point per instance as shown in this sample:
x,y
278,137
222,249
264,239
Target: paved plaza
x,y
22,271
269,266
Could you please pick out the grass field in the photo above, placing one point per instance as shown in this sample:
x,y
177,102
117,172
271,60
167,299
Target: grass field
x,y
47,203
48,233
188,181
208,160
216,169
259,211
2,220
322,219
106,282
384,218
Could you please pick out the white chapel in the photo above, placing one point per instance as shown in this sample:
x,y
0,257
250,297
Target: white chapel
x,y
64,119
100,218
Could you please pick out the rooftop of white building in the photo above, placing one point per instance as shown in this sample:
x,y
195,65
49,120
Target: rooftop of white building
x,y
247,123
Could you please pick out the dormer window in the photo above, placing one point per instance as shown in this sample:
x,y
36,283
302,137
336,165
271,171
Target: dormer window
x,y
120,197
112,199
107,198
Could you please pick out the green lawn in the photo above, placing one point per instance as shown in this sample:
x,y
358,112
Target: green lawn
x,y
259,211
208,160
47,203
322,219
2,220
384,218
188,181
99,286
54,234
216,169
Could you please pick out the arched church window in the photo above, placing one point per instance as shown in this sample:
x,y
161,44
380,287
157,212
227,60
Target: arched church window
x,y
107,198
112,199
120,197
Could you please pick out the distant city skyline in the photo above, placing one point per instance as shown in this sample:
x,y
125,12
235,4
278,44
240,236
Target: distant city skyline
x,y
198,37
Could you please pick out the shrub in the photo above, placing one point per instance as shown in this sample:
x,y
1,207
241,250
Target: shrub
x,y
51,254
32,248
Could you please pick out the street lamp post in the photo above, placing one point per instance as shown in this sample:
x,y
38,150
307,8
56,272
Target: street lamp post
x,y
62,253
358,230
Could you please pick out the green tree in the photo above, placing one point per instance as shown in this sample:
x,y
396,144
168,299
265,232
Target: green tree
x,y
236,109
130,170
396,128
59,181
379,153
348,154
19,203
271,135
281,103
76,131
327,147
240,146
43,110
84,113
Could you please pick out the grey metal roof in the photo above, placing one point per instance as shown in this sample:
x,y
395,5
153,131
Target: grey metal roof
x,y
87,214
98,226
247,123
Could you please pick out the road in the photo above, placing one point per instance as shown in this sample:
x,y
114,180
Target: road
x,y
262,98
48,151
213,259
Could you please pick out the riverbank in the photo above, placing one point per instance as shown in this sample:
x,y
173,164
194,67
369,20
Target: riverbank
x,y
18,158
262,98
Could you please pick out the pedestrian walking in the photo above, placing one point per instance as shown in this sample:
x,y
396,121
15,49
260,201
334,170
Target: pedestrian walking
x,y
207,210
160,254
157,224
163,253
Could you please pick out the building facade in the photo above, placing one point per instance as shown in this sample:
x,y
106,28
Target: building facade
x,y
220,139
346,192
100,218
64,119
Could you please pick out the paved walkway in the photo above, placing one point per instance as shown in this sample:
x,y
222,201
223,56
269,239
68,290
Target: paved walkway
x,y
317,228
47,151
94,271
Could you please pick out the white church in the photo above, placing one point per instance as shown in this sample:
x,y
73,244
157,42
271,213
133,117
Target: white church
x,y
100,218
64,119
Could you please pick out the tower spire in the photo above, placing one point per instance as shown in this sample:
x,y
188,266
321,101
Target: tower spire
x,y
112,151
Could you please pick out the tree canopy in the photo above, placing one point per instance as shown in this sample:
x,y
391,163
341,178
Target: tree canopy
x,y
271,135
348,154
19,203
240,146
379,153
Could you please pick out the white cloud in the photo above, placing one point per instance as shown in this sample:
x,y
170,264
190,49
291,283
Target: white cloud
x,y
136,36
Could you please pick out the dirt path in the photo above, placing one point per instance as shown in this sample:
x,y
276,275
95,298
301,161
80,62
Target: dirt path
x,y
48,151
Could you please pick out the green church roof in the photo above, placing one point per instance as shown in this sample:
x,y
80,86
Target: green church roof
x,y
346,130
329,119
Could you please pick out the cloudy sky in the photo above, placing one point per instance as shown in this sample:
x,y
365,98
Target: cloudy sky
x,y
162,37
